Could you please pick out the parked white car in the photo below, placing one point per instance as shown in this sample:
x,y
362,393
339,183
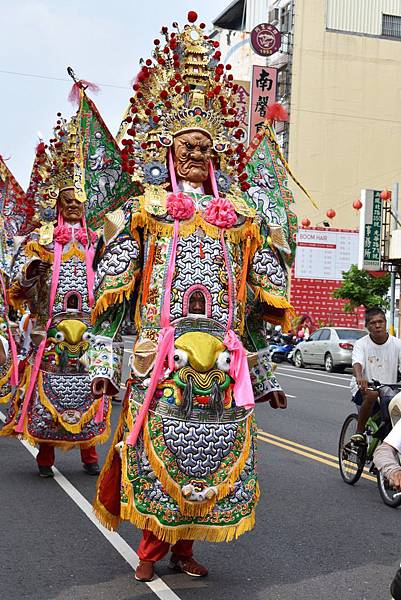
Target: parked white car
x,y
329,347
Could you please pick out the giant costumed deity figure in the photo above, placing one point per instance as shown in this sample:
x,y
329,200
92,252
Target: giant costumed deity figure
x,y
14,216
52,275
206,269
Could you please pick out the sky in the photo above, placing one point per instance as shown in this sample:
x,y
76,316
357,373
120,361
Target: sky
x,y
101,40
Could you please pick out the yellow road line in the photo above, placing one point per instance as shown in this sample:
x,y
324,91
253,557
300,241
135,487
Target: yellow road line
x,y
296,445
268,440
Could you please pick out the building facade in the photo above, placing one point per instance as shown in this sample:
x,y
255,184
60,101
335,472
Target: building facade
x,y
340,78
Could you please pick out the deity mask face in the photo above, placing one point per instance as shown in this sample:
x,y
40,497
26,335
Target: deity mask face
x,y
192,151
71,209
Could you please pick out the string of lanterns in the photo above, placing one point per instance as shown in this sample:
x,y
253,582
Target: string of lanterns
x,y
385,195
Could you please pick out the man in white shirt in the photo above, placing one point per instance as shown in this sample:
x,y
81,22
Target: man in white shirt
x,y
376,356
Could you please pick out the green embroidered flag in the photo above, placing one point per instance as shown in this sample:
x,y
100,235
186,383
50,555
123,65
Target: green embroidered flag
x,y
268,192
99,178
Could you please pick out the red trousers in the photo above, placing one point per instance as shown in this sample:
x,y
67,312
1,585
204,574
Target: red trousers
x,y
152,549
45,457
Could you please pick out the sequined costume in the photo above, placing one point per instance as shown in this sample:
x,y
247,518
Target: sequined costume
x,y
200,263
53,403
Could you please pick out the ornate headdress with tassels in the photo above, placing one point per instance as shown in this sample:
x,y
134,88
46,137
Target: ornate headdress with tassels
x,y
183,87
54,172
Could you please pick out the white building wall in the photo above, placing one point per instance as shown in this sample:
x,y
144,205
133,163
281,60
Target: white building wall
x,y
360,16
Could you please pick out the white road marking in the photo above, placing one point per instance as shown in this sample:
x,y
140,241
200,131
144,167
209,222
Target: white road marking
x,y
313,380
157,585
344,377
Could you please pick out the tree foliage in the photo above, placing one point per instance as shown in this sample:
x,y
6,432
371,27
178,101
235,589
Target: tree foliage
x,y
359,287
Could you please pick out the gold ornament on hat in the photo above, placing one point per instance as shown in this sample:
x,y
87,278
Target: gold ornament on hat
x,y
183,87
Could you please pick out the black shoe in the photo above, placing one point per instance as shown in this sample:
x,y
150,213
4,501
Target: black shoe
x,y
91,468
45,471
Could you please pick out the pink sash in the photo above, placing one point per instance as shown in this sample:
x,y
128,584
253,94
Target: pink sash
x,y
14,372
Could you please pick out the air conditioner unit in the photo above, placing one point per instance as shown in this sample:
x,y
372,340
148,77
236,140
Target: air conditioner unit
x,y
274,16
395,245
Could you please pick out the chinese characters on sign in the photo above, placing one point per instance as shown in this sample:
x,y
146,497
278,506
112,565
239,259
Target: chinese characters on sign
x,y
371,230
265,39
264,84
242,103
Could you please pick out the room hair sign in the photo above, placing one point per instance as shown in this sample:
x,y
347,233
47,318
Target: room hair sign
x,y
265,39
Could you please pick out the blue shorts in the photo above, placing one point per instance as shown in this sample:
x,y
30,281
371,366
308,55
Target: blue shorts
x,y
385,400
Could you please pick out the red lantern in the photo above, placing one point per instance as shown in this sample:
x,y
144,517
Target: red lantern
x,y
331,213
357,204
305,222
385,195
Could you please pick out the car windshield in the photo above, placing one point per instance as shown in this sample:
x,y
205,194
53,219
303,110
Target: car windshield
x,y
350,334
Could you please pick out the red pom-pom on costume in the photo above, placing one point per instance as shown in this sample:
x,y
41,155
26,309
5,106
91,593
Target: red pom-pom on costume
x,y
305,222
277,112
330,214
40,148
192,16
73,96
357,204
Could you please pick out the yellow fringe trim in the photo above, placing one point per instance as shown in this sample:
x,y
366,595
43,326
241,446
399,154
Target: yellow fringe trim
x,y
34,249
209,533
5,399
234,235
8,430
66,445
106,518
71,428
6,376
276,301
187,507
111,297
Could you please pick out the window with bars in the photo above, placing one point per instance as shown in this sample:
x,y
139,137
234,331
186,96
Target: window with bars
x,y
391,26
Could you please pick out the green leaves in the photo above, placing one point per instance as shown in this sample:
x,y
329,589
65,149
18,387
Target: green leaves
x,y
359,287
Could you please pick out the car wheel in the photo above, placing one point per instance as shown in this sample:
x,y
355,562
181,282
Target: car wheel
x,y
328,363
298,362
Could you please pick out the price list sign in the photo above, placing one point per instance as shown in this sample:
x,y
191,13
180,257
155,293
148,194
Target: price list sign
x,y
325,254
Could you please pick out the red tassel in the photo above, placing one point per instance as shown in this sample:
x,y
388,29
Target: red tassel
x,y
73,96
201,253
277,112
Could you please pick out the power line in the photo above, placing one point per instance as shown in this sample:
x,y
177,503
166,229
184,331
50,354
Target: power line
x,y
35,76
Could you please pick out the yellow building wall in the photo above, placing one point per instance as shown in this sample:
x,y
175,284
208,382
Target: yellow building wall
x,y
345,122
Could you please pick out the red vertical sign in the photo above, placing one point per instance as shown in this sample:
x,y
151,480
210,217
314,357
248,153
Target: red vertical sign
x,y
264,84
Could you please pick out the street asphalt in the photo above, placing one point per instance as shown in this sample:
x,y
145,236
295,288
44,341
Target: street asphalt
x,y
315,537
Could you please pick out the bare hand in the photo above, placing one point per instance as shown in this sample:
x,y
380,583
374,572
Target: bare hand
x,y
99,386
37,268
395,479
277,399
362,383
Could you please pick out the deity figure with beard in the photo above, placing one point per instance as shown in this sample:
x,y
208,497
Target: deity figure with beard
x,y
204,273
52,275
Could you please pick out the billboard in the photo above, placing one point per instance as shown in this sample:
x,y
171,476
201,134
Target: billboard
x,y
325,253
321,257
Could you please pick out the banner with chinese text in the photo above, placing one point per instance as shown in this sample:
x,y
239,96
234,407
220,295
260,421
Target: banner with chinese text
x,y
370,228
264,85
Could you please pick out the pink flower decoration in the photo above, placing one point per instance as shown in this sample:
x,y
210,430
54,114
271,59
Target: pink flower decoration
x,y
82,237
180,206
62,234
220,212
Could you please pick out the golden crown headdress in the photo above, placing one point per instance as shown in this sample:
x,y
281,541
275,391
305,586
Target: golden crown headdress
x,y
183,87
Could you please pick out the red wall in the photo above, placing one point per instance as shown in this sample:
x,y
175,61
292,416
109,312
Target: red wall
x,y
313,297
